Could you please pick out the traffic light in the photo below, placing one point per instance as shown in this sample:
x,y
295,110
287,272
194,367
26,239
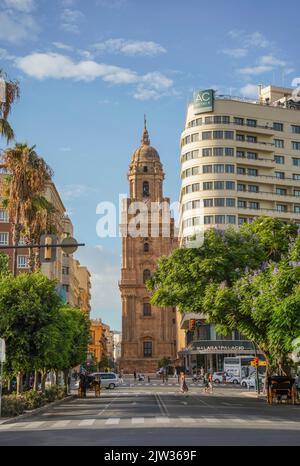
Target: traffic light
x,y
192,325
48,248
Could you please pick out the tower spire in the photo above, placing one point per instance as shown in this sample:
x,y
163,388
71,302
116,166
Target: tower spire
x,y
145,136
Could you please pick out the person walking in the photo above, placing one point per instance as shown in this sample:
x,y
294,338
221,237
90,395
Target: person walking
x,y
183,386
205,382
134,375
97,386
210,382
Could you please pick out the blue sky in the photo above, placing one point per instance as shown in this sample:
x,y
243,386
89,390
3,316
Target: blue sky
x,y
90,69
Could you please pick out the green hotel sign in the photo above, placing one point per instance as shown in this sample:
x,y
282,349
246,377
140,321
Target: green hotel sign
x,y
204,101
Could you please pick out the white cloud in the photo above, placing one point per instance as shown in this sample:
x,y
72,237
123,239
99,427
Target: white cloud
x,y
71,192
25,6
17,28
115,4
58,66
71,19
255,70
257,39
236,53
250,90
272,61
62,46
4,55
130,47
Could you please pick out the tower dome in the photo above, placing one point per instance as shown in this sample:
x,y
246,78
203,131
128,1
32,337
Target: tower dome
x,y
145,153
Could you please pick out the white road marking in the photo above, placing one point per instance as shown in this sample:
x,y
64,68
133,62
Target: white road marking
x,y
137,420
113,421
59,424
34,425
187,420
87,422
211,420
162,420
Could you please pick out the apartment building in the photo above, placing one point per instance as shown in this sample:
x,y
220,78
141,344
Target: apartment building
x,y
240,159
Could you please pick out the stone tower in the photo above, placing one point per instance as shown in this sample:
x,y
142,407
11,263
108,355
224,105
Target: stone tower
x,y
148,332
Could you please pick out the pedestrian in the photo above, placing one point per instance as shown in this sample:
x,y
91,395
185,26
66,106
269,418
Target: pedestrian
x,y
183,385
224,378
148,379
97,386
210,382
121,377
134,375
205,382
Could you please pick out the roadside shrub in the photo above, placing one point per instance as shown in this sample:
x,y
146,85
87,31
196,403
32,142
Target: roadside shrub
x,y
13,405
34,399
54,393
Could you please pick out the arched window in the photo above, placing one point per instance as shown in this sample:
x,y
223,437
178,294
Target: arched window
x,y
146,309
146,247
146,275
146,189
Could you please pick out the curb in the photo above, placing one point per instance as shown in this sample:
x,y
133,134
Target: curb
x,y
37,410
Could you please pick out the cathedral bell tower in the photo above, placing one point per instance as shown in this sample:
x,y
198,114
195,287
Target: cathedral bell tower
x,y
148,332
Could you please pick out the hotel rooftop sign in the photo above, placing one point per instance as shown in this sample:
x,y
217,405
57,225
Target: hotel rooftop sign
x,y
204,101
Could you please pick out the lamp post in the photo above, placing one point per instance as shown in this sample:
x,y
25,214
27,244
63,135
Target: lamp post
x,y
256,369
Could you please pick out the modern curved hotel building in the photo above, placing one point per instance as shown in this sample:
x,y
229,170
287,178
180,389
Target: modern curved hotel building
x,y
239,159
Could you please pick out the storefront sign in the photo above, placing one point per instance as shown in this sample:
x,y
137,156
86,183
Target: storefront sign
x,y
203,101
220,346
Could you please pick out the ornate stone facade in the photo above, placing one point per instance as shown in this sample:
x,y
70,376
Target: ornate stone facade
x,y
148,332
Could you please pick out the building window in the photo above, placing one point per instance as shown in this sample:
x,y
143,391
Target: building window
x,y
206,135
3,216
207,186
231,219
252,188
238,121
4,238
240,154
207,152
295,145
240,137
242,220
297,192
251,122
296,176
230,202
208,120
208,202
218,134
281,208
218,168
281,191
278,126
279,175
207,168
146,192
252,172
241,171
297,209
252,139
146,275
279,159
147,349
229,151
218,151
242,204
22,262
146,247
229,168
279,143
296,162
145,169
195,137
230,185
220,219
229,134
208,219
219,202
253,205
219,185
295,129
146,309
66,270
241,187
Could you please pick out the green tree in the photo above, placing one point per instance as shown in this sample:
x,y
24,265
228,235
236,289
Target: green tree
x,y
12,92
233,278
3,263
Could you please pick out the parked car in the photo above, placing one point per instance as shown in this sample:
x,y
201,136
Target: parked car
x,y
250,381
109,380
230,378
218,377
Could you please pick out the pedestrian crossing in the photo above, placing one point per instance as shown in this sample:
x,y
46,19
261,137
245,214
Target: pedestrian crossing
x,y
181,421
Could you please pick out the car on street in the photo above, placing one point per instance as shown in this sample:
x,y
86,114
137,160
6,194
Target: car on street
x,y
109,380
218,377
250,381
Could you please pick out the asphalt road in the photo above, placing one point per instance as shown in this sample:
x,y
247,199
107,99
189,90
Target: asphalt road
x,y
156,415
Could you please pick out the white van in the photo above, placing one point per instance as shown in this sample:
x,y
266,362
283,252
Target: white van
x,y
109,380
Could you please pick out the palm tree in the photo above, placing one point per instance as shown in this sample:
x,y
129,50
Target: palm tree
x,y
12,92
27,177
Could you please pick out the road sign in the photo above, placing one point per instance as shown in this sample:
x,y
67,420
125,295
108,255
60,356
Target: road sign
x,y
262,363
69,245
2,350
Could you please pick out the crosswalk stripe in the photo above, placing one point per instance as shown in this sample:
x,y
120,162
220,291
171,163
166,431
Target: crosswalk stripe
x,y
236,419
162,420
211,420
60,424
34,425
137,420
187,420
7,426
113,421
87,422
